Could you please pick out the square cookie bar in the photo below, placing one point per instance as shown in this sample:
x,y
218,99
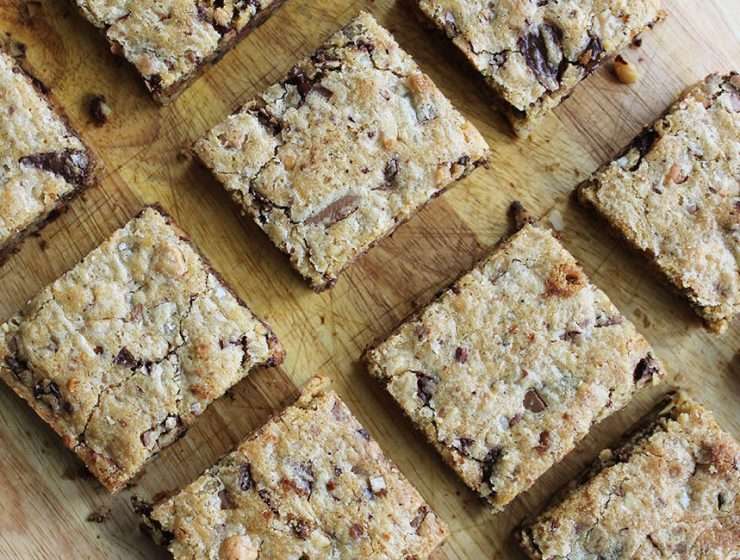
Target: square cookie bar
x,y
171,42
510,367
310,483
352,143
673,491
43,162
674,195
533,54
123,352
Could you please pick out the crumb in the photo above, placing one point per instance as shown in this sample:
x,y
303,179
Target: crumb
x,y
100,515
637,42
625,71
99,109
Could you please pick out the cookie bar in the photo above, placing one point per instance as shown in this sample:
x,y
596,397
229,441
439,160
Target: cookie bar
x,y
123,352
43,162
170,42
674,195
533,54
510,367
352,143
311,483
673,491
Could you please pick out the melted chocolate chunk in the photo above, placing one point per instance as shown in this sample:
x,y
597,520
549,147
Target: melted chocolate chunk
x,y
591,55
488,464
541,48
426,385
533,402
461,354
643,144
646,368
336,211
450,24
126,358
226,501
390,173
419,518
71,165
462,445
245,477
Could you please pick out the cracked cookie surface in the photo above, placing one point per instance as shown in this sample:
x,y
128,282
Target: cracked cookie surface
x,y
674,194
169,41
673,491
533,53
352,143
124,351
42,161
311,483
510,367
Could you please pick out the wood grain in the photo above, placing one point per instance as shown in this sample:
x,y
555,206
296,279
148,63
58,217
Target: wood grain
x,y
45,500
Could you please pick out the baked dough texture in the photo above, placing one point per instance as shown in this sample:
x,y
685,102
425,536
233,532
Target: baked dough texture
x,y
511,366
352,143
311,483
672,492
123,352
674,195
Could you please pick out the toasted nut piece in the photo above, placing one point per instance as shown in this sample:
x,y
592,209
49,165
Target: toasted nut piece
x,y
238,547
625,72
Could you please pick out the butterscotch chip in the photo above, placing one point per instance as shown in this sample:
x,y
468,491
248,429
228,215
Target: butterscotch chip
x,y
508,370
672,491
353,142
674,194
122,352
311,483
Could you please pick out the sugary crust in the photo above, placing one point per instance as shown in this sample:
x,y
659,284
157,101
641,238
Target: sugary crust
x,y
674,195
43,163
172,42
124,351
673,491
508,369
351,144
311,483
532,54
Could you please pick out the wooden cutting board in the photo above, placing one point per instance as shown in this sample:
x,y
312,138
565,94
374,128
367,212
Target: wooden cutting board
x,y
45,499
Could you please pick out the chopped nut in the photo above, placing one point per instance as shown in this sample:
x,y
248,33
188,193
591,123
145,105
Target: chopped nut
x,y
377,485
625,72
675,175
238,547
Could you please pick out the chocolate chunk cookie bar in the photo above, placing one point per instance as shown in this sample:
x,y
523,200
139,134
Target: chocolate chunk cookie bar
x,y
673,491
311,483
510,367
43,163
170,42
350,144
532,54
123,352
674,194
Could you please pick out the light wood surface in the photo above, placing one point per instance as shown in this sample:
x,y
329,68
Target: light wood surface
x,y
44,498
